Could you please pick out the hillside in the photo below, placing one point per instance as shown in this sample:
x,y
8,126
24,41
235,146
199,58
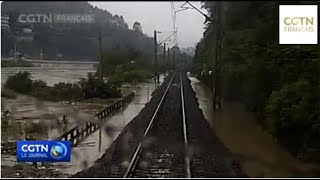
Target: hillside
x,y
69,41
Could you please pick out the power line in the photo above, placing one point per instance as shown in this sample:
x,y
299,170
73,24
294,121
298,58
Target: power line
x,y
173,13
167,38
193,7
216,76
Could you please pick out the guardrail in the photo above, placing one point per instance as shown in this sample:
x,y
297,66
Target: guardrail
x,y
80,132
115,106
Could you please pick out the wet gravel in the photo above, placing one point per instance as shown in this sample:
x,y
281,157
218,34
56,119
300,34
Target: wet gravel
x,y
209,157
163,149
114,162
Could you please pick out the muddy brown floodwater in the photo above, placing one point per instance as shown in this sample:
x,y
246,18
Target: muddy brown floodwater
x,y
52,73
26,111
87,152
259,154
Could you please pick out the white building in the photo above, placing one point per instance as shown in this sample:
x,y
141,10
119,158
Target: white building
x,y
27,30
5,23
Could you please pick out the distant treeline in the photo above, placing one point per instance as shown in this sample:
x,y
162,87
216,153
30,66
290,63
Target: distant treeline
x,y
69,40
18,63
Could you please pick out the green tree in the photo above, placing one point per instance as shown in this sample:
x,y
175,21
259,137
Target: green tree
x,y
278,83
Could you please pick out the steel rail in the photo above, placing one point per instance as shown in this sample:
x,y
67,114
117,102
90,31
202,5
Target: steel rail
x,y
137,152
187,159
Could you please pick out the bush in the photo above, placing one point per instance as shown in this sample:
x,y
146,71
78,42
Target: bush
x,y
94,87
66,91
136,76
39,89
292,115
122,75
20,82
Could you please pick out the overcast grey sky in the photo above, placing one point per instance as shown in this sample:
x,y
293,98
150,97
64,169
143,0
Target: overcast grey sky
x,y
157,16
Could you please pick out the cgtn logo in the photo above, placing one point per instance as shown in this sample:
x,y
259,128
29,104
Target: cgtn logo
x,y
43,151
298,24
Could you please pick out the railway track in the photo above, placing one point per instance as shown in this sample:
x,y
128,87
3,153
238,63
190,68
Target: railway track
x,y
169,139
162,151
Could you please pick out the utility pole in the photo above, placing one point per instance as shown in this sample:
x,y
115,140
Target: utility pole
x,y
100,52
216,79
155,57
174,59
15,50
164,52
168,59
185,60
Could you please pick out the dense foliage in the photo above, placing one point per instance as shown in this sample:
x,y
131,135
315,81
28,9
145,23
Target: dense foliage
x,y
123,65
94,87
20,82
278,82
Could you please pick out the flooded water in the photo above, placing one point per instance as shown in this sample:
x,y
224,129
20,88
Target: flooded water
x,y
52,73
26,110
259,154
87,152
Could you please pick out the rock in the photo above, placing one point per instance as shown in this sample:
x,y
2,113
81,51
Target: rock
x,y
42,167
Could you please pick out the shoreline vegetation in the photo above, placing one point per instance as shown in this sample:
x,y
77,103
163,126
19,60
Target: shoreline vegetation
x,y
118,74
17,63
119,67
